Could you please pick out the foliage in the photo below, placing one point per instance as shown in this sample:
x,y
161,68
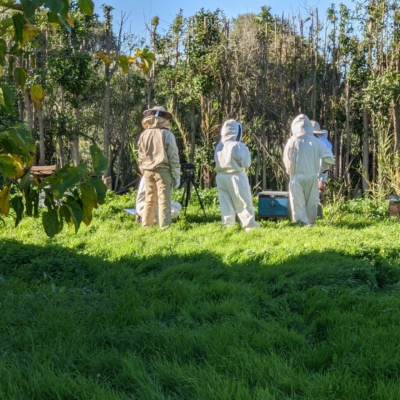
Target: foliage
x,y
70,194
17,149
259,68
142,58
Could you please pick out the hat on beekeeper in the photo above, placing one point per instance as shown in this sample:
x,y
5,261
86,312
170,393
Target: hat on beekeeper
x,y
158,111
317,128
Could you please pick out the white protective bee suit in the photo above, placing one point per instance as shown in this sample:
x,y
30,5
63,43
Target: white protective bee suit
x,y
176,207
322,135
305,157
232,157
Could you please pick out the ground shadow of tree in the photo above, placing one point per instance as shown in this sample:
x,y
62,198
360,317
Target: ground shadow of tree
x,y
186,327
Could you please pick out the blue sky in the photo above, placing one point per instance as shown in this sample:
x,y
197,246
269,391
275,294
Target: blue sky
x,y
141,12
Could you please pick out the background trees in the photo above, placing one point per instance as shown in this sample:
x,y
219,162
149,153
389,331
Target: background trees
x,y
77,83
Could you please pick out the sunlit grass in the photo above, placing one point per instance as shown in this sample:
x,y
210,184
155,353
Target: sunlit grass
x,y
202,312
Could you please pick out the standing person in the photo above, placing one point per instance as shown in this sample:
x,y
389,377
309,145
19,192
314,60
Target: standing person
x,y
232,157
305,157
159,164
322,135
176,207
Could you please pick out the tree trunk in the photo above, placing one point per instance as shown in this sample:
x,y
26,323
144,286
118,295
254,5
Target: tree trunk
x,y
74,144
107,89
21,106
107,102
61,151
264,171
124,123
365,147
315,65
258,161
28,109
336,152
396,124
42,152
74,147
192,133
348,133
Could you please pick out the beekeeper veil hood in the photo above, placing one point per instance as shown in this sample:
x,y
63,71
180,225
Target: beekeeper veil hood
x,y
231,131
322,135
157,117
301,126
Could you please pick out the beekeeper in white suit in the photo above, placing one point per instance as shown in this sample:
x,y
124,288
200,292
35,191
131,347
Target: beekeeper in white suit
x,y
232,157
305,158
322,135
176,207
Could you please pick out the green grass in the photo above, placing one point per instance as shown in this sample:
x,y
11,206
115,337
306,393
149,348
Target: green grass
x,y
201,312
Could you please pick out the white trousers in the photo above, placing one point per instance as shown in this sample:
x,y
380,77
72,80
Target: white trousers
x,y
304,198
235,198
176,209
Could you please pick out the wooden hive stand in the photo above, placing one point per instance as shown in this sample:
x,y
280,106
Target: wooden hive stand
x,y
42,171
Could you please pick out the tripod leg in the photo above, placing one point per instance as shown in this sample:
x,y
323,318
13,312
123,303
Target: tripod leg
x,y
185,195
198,196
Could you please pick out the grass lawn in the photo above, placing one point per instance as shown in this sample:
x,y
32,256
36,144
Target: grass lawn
x,y
201,312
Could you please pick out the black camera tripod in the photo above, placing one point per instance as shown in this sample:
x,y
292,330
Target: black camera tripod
x,y
189,181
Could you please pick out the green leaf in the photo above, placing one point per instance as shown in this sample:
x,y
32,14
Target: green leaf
x,y
11,4
147,58
22,142
88,194
31,195
103,56
49,199
25,136
19,22
37,95
86,6
29,32
20,76
17,51
7,22
52,18
7,98
18,206
64,11
51,223
89,200
123,63
3,50
65,213
7,144
61,221
5,200
3,46
29,8
76,212
7,166
24,180
63,179
55,6
101,189
100,163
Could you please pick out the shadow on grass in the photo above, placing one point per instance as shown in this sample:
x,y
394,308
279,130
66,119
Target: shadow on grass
x,y
193,326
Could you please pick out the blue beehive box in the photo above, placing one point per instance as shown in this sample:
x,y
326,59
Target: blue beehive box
x,y
273,204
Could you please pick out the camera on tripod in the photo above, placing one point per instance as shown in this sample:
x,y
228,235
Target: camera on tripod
x,y
188,182
188,166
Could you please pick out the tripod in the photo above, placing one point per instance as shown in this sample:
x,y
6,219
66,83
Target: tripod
x,y
189,180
